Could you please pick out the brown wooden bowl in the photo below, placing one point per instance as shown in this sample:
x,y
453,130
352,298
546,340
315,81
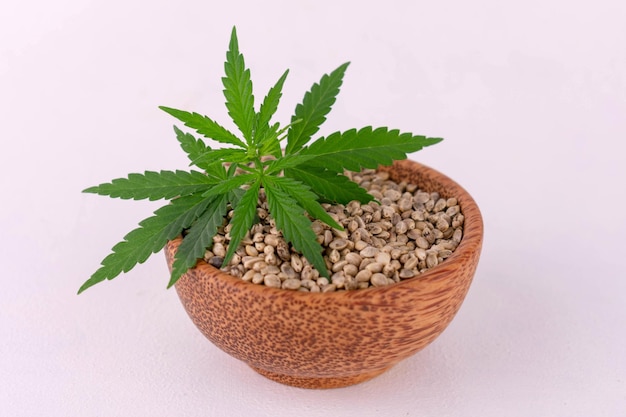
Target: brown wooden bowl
x,y
327,340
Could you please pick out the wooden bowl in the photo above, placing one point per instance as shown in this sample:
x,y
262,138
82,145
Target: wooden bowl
x,y
327,340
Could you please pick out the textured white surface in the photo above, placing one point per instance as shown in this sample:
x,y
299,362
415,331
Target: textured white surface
x,y
531,98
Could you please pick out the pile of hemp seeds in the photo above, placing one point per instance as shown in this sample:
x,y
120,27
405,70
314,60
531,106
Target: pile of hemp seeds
x,y
409,232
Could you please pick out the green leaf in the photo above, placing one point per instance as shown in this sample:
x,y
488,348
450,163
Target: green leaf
x,y
270,143
231,184
295,226
242,220
288,161
234,196
194,148
155,185
199,237
217,157
305,198
330,185
150,237
205,126
268,108
367,148
316,104
238,89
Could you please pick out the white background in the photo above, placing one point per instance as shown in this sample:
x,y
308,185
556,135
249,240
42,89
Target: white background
x,y
530,98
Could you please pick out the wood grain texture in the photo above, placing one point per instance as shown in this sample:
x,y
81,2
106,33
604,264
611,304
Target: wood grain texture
x,y
341,338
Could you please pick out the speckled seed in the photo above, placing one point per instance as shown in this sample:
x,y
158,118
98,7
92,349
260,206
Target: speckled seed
x,y
350,284
431,260
360,245
439,205
307,272
287,269
338,244
271,240
339,279
339,265
329,288
258,278
283,250
383,258
406,273
353,258
219,250
350,269
273,281
422,243
389,269
251,250
235,260
334,256
429,235
291,284
296,263
413,234
421,197
322,281
410,263
259,266
271,259
452,211
375,228
458,220
307,283
418,215
369,252
442,224
270,269
401,228
374,267
249,261
458,234
405,204
328,237
363,275
378,280
248,275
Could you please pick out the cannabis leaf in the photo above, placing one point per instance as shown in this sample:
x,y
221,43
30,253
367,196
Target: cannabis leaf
x,y
304,197
240,169
243,218
316,104
263,132
199,237
205,126
150,237
296,227
155,185
366,148
329,185
238,89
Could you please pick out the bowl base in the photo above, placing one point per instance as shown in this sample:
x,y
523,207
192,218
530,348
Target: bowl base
x,y
319,383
